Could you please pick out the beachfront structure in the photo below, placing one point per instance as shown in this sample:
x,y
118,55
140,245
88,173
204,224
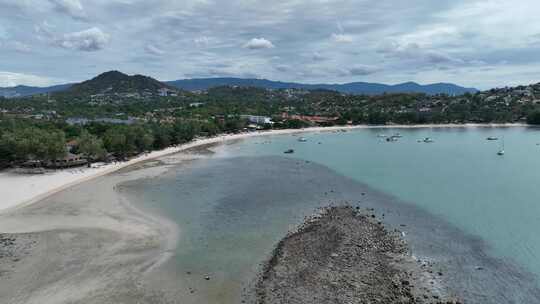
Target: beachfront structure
x,y
260,120
70,160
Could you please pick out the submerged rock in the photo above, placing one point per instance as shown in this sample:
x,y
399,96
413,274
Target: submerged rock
x,y
344,257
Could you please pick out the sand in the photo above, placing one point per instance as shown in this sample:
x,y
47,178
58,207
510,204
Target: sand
x,y
18,190
69,237
86,244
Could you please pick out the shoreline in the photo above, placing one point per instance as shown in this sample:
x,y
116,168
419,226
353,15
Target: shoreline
x,y
39,187
64,250
128,247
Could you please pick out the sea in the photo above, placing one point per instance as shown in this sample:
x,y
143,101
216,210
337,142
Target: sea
x,y
473,214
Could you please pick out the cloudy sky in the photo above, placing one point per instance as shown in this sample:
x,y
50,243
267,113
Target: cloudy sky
x,y
480,43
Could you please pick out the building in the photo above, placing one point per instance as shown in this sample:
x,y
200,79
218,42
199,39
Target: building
x,y
260,120
312,119
196,104
70,160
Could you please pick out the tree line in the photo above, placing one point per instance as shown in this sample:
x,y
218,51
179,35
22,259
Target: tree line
x,y
21,141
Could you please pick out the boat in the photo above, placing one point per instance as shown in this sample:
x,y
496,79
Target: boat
x,y
391,139
501,151
290,151
428,140
302,139
397,135
492,138
381,136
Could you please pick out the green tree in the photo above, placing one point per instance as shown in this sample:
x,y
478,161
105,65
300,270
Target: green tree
x,y
54,144
534,118
117,143
91,146
8,147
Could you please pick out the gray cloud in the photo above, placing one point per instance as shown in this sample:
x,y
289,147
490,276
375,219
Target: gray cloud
x,y
153,50
461,41
413,51
363,70
73,8
90,40
15,46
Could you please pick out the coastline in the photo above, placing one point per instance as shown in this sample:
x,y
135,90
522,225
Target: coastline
x,y
39,187
55,229
87,244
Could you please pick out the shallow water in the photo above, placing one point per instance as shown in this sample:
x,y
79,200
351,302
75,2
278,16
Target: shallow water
x,y
463,206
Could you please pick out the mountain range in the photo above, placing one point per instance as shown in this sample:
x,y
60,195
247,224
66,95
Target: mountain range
x,y
115,81
350,88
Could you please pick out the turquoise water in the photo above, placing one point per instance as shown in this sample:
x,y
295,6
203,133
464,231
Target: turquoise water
x,y
464,205
459,177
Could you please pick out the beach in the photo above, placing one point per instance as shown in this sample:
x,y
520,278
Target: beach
x,y
86,244
18,190
75,238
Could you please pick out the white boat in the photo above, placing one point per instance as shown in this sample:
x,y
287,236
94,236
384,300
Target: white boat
x,y
381,135
302,139
428,140
501,151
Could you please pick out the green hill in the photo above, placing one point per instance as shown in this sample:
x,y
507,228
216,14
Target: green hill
x,y
115,82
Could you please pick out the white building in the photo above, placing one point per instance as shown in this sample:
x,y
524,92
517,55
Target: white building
x,y
260,120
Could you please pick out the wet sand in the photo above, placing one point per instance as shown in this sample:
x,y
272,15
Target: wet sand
x,y
84,245
87,244
38,187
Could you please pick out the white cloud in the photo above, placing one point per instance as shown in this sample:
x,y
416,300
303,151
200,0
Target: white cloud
x,y
16,46
201,41
342,38
259,43
21,47
153,50
9,79
72,8
92,39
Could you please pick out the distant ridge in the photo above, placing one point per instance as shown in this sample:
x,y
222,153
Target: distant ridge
x,y
351,88
118,82
21,90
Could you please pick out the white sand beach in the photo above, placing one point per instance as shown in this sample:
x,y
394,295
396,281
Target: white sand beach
x,y
18,190
70,237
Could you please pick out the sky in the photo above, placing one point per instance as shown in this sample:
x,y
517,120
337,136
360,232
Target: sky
x,y
474,43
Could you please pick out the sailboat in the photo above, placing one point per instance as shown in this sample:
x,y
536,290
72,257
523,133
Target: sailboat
x,y
501,151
